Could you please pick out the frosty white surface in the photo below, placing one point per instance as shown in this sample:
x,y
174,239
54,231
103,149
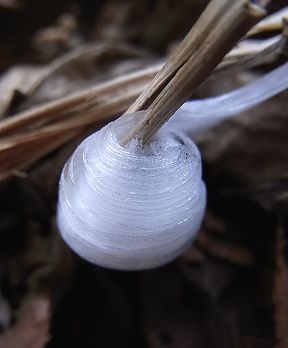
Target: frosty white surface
x,y
131,208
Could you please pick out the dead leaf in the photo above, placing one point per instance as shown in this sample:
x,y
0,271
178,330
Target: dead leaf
x,y
18,152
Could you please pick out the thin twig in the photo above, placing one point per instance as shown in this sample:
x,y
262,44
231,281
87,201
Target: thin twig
x,y
252,53
221,25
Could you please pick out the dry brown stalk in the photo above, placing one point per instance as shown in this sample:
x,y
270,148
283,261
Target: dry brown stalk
x,y
20,151
220,26
252,53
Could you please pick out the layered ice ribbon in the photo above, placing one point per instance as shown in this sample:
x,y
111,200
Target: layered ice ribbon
x,y
136,208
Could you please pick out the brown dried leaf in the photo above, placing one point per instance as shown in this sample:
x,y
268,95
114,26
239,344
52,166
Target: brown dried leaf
x,y
22,152
19,151
31,329
79,102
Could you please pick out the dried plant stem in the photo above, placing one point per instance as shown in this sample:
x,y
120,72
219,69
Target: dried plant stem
x,y
79,101
221,25
252,53
20,151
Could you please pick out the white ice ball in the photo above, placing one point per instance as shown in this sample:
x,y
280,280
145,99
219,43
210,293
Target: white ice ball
x,y
131,208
